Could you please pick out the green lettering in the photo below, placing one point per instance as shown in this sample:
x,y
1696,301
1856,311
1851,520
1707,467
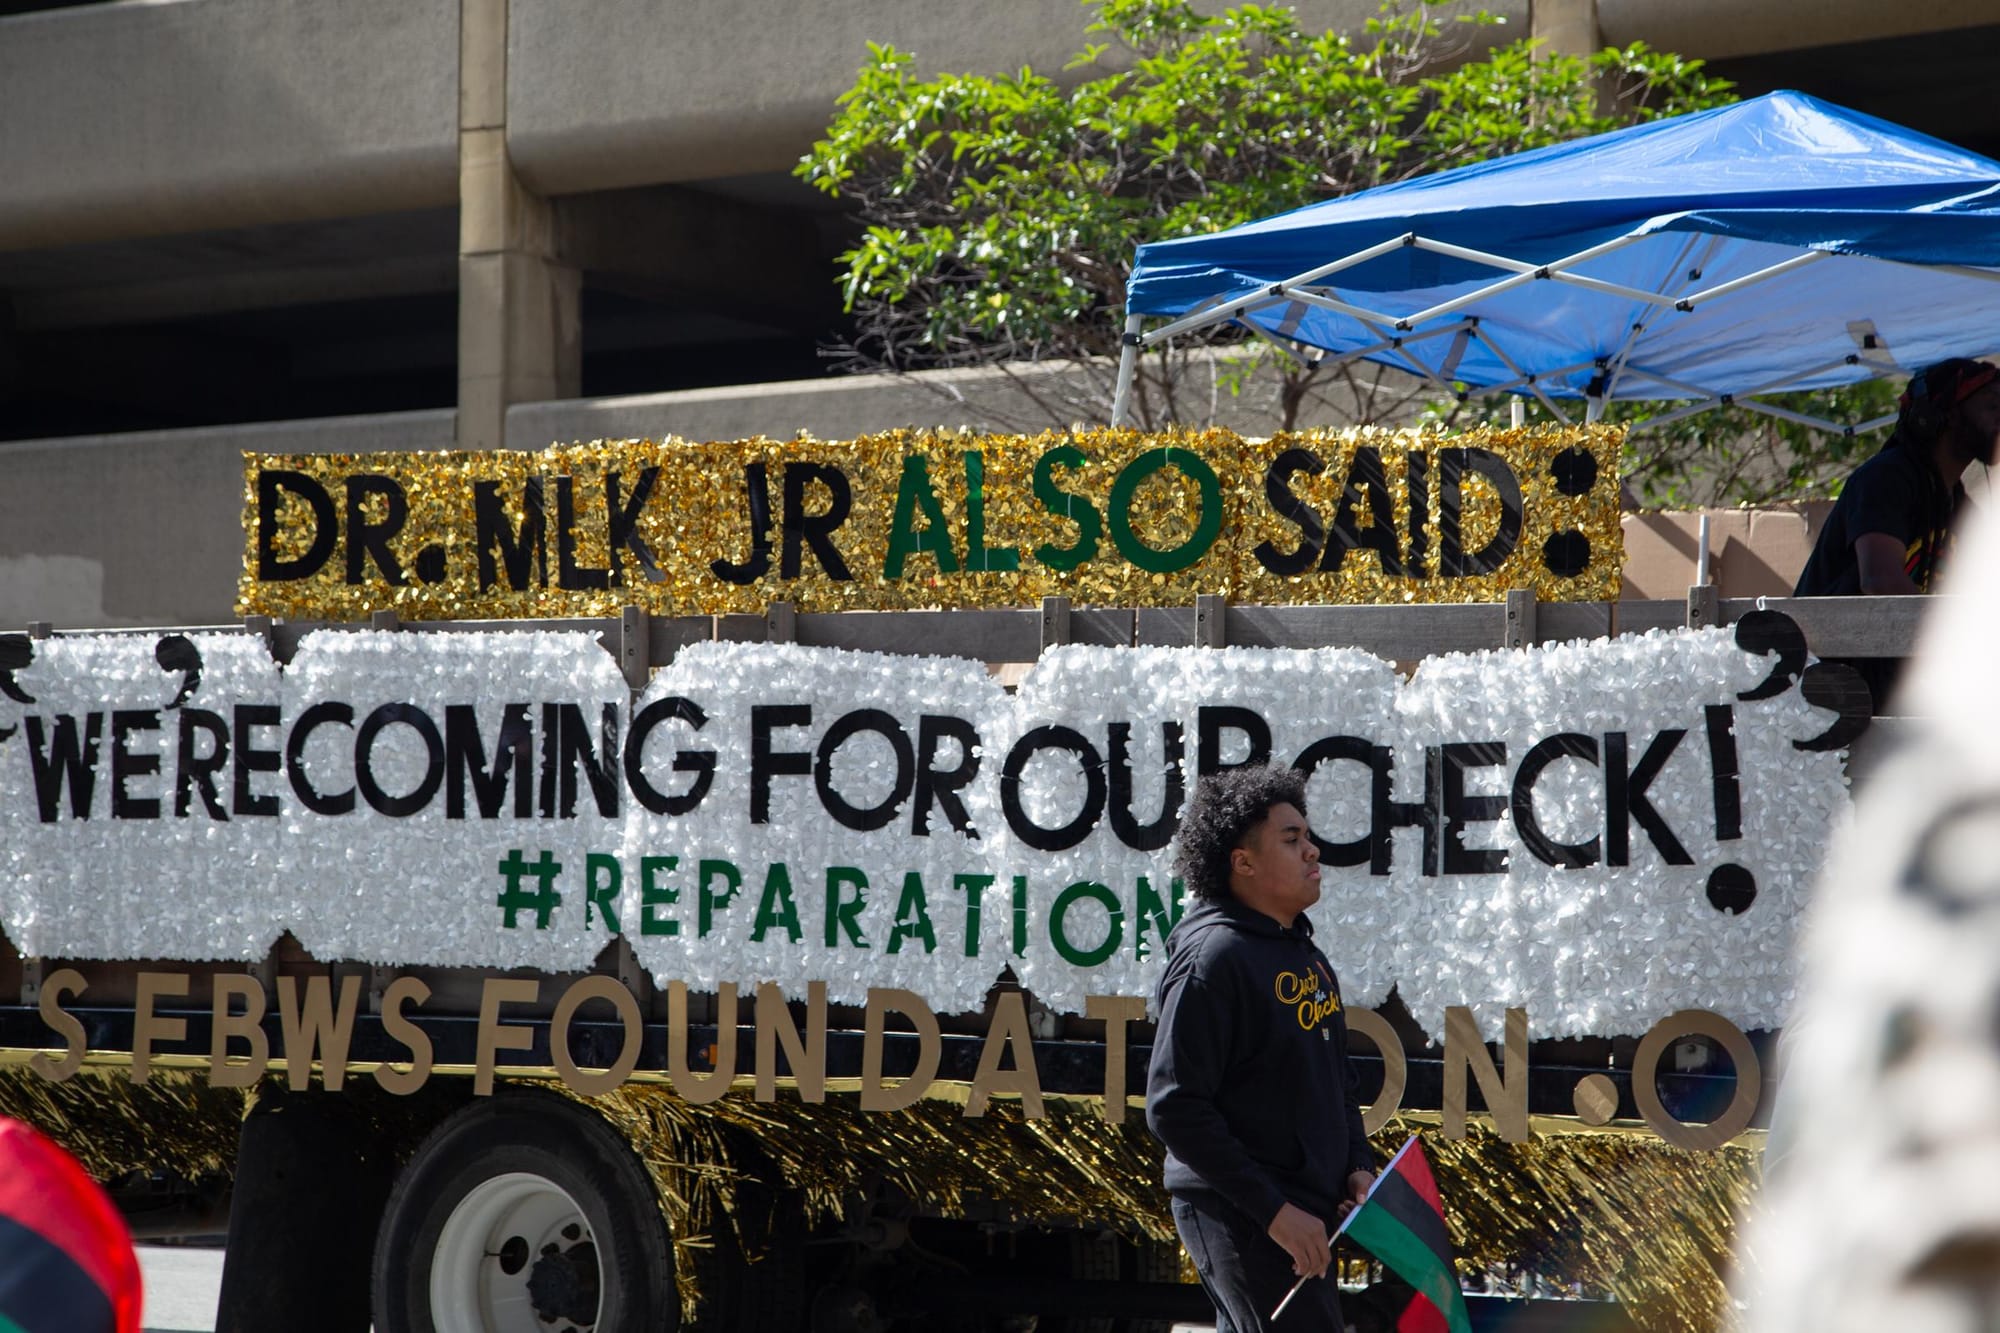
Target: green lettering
x,y
1089,524
601,897
1020,916
1207,527
776,907
842,912
913,492
654,895
978,555
710,900
974,888
1113,935
913,917
1150,911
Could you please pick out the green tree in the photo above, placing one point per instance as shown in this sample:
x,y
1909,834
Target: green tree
x,y
1001,212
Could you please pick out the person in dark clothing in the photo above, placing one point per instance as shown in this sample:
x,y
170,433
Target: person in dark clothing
x,y
1249,1087
1891,530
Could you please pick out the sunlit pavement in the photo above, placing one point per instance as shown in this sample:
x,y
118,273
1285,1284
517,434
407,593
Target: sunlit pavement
x,y
182,1283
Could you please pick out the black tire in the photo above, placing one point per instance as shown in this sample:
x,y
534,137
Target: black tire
x,y
736,1295
537,1149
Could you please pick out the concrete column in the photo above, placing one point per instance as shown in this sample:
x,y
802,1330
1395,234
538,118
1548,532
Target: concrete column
x,y
1564,27
519,308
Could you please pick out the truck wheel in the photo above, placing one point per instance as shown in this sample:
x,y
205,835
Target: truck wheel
x,y
524,1213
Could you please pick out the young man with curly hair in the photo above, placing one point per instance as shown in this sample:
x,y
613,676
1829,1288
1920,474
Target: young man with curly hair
x,y
1249,1087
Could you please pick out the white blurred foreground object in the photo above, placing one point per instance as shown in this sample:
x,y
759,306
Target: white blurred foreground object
x,y
1883,1211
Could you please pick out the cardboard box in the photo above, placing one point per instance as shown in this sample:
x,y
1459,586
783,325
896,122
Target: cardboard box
x,y
1751,552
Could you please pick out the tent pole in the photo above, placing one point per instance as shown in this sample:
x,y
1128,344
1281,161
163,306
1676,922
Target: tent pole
x,y
1517,412
1128,361
1593,410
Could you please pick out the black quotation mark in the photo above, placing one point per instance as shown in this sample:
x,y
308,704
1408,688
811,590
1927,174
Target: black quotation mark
x,y
1829,685
1732,888
176,652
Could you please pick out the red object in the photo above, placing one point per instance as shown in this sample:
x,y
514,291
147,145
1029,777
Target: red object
x,y
62,1243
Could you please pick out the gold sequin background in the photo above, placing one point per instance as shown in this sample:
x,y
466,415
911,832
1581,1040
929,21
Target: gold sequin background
x,y
697,515
1613,1210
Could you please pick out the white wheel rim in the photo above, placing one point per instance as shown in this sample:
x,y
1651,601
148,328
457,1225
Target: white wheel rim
x,y
471,1291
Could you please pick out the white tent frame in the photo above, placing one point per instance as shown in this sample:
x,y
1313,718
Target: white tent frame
x,y
1396,333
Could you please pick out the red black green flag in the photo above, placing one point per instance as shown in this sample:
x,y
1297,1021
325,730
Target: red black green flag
x,y
1401,1222
66,1260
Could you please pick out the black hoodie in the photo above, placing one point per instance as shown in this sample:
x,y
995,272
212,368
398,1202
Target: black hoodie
x,y
1249,1086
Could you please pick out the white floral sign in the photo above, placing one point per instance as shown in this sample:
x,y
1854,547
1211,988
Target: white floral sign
x,y
1602,833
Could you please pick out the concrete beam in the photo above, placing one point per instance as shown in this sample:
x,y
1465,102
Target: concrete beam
x,y
735,87
148,119
222,293
520,308
146,529
1713,29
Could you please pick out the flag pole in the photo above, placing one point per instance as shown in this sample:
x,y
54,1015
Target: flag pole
x,y
1338,1231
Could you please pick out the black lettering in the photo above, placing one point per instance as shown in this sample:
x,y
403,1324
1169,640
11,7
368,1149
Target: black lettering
x,y
837,735
272,485
1146,837
1461,810
598,764
193,769
757,499
815,530
701,763
1453,464
1286,505
516,547
331,711
1092,764
1418,469
176,652
624,530
465,759
65,763
551,760
372,726
1571,855
1212,721
1761,633
1837,686
1366,485
571,576
251,758
766,763
1327,750
365,538
125,765
1724,774
943,785
1625,799
1387,814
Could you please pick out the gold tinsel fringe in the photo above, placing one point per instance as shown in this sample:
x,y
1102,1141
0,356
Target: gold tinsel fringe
x,y
1613,1210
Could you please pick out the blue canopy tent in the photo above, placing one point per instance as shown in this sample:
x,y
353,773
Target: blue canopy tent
x,y
1779,243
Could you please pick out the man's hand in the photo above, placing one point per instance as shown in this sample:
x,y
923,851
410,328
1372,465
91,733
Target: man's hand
x,y
1358,1185
1304,1238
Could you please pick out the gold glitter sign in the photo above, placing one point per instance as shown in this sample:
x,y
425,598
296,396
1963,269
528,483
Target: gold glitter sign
x,y
934,519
